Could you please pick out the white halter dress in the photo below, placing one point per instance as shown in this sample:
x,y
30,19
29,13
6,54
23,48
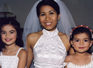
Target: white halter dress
x,y
49,51
9,61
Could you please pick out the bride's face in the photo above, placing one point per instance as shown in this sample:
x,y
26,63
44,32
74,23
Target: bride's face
x,y
48,17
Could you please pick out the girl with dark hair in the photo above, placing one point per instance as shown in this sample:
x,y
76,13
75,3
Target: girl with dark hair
x,y
45,34
12,54
81,41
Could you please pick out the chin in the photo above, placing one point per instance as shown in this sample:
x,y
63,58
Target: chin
x,y
52,29
9,44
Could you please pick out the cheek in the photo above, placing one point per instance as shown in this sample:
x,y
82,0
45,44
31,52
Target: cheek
x,y
54,17
75,45
87,45
14,36
41,19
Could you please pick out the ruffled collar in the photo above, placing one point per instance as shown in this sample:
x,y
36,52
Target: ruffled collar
x,y
50,33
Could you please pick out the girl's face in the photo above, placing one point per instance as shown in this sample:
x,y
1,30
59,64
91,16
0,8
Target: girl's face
x,y
81,42
48,17
8,34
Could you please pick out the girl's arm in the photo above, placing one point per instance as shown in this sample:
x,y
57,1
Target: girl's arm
x,y
22,59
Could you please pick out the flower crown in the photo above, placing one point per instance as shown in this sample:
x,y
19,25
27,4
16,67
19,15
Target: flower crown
x,y
81,26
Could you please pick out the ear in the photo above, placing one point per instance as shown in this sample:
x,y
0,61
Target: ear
x,y
58,16
91,42
71,42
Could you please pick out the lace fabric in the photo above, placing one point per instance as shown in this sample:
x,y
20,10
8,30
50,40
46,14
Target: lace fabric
x,y
71,65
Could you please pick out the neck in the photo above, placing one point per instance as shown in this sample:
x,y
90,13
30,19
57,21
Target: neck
x,y
81,54
51,29
10,47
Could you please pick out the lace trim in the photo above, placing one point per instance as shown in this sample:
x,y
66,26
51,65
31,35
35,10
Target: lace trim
x,y
80,65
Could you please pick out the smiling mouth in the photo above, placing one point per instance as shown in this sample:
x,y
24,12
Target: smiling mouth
x,y
8,40
47,24
81,47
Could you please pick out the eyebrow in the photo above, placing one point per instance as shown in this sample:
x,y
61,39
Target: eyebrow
x,y
5,31
49,11
12,30
52,10
78,38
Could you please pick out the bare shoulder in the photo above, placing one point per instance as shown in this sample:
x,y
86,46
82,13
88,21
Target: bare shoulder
x,y
34,36
23,52
69,58
89,55
65,40
62,35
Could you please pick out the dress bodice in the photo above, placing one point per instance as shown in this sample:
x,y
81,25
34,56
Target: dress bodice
x,y
49,51
72,65
9,61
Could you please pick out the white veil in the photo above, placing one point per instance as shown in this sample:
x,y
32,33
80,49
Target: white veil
x,y
32,24
66,22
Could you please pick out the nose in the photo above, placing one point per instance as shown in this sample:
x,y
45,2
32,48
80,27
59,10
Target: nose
x,y
47,17
7,34
81,43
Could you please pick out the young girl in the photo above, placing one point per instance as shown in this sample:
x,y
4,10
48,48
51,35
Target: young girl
x,y
12,54
81,41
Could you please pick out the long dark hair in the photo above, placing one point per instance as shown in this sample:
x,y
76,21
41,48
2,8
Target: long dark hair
x,y
16,25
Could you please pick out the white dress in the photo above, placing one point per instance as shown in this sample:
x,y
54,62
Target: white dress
x,y
49,51
71,65
9,61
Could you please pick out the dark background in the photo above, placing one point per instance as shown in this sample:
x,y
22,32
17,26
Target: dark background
x,y
81,10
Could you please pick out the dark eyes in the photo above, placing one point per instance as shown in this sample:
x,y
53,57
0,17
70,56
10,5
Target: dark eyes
x,y
79,40
11,32
86,40
51,13
43,14
3,32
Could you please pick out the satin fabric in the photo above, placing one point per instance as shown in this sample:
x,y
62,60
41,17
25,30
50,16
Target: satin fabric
x,y
49,51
